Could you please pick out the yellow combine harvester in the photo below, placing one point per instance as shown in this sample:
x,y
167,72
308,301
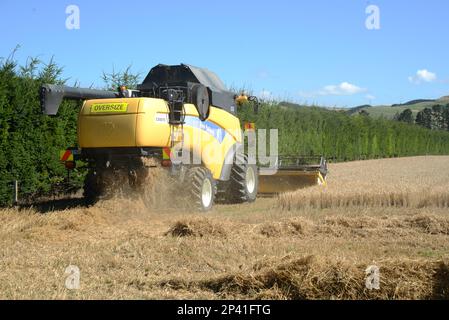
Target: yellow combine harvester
x,y
181,118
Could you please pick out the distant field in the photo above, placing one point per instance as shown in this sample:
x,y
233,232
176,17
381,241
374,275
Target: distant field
x,y
389,112
392,213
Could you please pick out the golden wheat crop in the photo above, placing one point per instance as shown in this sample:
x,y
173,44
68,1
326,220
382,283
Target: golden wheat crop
x,y
253,251
408,182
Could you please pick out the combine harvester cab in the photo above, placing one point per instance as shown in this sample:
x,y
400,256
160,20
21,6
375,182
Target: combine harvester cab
x,y
292,173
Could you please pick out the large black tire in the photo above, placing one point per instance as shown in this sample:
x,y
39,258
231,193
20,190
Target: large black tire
x,y
243,183
102,184
201,188
91,190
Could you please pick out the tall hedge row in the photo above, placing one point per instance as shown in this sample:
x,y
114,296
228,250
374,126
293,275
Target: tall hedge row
x,y
338,136
29,141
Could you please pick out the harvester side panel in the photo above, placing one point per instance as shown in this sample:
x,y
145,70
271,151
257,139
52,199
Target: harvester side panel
x,y
143,122
102,129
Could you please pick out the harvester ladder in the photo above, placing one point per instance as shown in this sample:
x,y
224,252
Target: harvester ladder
x,y
176,121
175,96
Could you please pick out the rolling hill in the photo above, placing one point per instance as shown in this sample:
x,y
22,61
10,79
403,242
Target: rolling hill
x,y
389,112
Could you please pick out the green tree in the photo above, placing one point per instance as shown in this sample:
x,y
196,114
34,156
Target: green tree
x,y
437,117
115,79
424,118
445,117
364,113
406,116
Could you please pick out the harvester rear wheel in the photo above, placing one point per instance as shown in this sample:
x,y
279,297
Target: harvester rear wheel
x,y
201,188
102,184
91,191
244,181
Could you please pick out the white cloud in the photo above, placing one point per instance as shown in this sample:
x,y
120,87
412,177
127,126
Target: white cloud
x,y
423,75
370,97
342,89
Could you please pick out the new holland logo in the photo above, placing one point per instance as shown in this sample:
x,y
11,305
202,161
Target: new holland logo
x,y
108,107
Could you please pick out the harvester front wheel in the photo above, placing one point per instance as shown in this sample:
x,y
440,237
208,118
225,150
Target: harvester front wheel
x,y
244,181
201,188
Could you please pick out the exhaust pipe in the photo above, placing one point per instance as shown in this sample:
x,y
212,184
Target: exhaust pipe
x,y
51,96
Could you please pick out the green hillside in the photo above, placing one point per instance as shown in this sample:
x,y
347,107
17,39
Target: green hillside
x,y
389,112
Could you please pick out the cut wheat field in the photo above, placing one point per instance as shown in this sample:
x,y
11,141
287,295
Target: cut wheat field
x,y
315,243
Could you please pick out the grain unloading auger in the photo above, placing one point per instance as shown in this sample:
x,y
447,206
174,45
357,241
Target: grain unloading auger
x,y
181,118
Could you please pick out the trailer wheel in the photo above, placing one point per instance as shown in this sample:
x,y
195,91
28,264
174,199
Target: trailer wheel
x,y
201,188
244,181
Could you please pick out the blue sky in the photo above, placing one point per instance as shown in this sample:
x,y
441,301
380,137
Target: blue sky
x,y
306,51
